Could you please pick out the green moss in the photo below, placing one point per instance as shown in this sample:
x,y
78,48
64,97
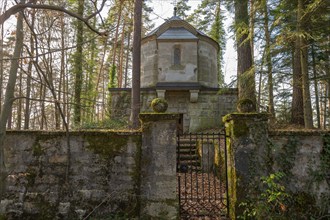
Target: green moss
x,y
232,180
246,105
159,105
240,128
250,115
302,204
37,150
155,116
237,123
320,174
287,156
3,217
108,145
31,176
237,128
47,211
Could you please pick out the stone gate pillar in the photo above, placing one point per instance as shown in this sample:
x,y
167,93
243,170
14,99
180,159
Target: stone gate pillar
x,y
158,166
247,136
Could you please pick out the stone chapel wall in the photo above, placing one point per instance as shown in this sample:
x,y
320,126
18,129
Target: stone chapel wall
x,y
204,114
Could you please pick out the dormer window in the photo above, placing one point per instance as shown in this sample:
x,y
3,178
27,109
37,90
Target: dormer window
x,y
177,56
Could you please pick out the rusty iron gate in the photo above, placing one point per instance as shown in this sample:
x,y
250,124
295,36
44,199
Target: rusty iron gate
x,y
202,176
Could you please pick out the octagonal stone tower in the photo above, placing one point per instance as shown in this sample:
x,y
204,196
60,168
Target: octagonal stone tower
x,y
177,55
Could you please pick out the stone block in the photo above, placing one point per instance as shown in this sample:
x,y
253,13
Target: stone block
x,y
58,159
80,213
4,204
64,208
157,210
30,207
92,195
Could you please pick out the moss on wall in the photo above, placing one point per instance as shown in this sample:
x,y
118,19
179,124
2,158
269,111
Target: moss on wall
x,y
239,124
37,150
109,145
157,116
136,176
287,155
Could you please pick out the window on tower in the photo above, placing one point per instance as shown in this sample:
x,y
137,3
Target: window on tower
x,y
177,56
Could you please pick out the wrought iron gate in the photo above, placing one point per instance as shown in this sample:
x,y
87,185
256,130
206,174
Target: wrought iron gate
x,y
202,176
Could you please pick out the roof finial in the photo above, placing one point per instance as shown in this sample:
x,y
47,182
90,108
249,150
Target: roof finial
x,y
175,9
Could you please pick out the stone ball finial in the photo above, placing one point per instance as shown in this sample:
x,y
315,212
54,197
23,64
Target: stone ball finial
x,y
246,105
159,105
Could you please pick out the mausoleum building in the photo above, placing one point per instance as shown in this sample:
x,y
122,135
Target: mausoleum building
x,y
179,64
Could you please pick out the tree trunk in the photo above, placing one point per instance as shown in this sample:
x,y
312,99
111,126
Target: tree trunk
x,y
121,58
1,55
135,103
78,67
44,124
308,115
260,80
28,81
127,58
316,90
252,20
269,64
297,109
245,70
301,102
114,68
9,98
327,83
20,103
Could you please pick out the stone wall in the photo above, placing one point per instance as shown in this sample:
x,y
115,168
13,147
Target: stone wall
x,y
101,175
206,113
207,64
301,158
186,71
299,154
158,167
98,176
198,63
106,174
149,65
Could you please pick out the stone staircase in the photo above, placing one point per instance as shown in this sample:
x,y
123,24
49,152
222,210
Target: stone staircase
x,y
187,156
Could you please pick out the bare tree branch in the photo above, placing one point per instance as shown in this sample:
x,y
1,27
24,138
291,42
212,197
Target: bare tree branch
x,y
20,7
97,11
55,50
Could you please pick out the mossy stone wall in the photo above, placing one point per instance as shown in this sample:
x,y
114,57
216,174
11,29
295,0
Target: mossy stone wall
x,y
304,158
255,152
98,176
246,141
204,114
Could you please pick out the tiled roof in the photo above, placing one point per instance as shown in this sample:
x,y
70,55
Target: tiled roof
x,y
177,33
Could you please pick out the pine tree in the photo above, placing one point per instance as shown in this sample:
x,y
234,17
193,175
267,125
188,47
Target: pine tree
x,y
245,69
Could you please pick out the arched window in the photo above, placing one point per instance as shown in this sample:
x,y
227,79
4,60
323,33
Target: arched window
x,y
177,56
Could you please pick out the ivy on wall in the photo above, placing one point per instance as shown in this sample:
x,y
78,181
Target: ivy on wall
x,y
287,156
275,200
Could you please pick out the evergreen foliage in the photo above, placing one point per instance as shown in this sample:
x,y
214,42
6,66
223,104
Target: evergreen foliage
x,y
81,65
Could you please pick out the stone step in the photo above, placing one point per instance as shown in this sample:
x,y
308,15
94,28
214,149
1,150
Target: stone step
x,y
187,151
190,157
187,141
